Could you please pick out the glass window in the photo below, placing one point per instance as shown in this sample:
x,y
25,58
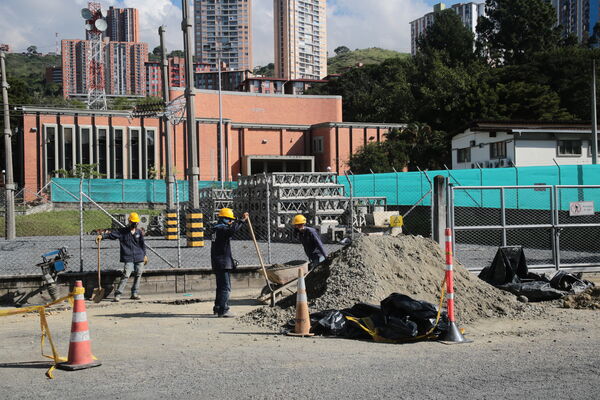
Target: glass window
x,y
569,147
102,151
150,137
68,148
51,164
85,146
463,155
498,150
116,152
134,154
318,144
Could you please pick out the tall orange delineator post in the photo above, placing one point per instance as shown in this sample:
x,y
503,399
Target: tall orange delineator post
x,y
80,345
453,334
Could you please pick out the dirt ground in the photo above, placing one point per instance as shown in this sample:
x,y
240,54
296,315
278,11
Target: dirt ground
x,y
155,350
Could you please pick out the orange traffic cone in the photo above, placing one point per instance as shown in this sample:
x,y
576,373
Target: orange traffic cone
x,y
80,345
302,325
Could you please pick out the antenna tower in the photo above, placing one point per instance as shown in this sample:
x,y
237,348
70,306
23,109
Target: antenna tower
x,y
95,25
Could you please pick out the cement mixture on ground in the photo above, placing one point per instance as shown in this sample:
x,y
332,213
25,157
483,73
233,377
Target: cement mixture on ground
x,y
373,267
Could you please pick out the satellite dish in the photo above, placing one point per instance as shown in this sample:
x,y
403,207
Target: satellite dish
x,y
88,27
86,13
101,25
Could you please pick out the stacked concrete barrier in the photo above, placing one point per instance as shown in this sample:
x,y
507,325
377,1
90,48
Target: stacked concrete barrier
x,y
171,224
194,228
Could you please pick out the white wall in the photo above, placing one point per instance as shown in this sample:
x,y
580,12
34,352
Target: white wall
x,y
543,152
480,153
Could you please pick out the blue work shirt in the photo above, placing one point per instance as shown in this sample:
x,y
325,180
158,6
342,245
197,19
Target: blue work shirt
x,y
220,249
311,241
133,247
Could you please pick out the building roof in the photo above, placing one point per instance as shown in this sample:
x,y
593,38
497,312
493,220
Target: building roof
x,y
517,125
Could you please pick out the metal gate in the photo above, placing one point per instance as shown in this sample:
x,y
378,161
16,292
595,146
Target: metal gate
x,y
557,226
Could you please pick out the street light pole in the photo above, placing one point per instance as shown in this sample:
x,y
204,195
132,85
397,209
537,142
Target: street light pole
x,y
9,185
193,170
594,117
164,67
221,152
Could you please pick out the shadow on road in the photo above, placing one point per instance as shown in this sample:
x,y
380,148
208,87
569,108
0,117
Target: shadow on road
x,y
156,315
27,364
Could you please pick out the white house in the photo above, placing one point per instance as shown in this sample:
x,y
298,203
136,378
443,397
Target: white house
x,y
497,144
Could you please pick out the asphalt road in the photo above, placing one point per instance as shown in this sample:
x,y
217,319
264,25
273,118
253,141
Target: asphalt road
x,y
153,351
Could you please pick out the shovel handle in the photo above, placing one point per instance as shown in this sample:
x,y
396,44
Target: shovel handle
x,y
262,264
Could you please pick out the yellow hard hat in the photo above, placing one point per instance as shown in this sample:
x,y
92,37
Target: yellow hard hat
x,y
134,217
299,219
226,213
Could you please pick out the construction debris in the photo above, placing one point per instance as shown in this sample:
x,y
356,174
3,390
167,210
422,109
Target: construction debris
x,y
589,299
371,268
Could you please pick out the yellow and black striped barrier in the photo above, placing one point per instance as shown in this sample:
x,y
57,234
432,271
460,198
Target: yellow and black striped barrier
x,y
171,224
194,228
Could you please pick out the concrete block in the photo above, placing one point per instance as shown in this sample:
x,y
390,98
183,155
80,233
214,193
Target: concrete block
x,y
163,287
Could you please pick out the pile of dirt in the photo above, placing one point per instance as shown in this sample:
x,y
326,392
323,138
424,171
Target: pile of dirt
x,y
588,299
373,267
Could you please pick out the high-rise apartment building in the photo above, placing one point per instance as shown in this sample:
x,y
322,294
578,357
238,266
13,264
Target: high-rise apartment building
x,y
469,13
125,69
125,73
224,26
577,16
122,24
300,39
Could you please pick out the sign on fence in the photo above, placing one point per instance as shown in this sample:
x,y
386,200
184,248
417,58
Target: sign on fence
x,y
581,208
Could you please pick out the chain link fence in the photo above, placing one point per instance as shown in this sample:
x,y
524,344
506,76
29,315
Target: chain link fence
x,y
78,210
555,225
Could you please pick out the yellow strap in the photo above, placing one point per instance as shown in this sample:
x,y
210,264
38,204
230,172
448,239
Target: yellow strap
x,y
44,326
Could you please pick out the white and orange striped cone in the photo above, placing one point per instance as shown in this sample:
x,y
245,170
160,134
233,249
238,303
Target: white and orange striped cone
x,y
80,345
453,334
302,325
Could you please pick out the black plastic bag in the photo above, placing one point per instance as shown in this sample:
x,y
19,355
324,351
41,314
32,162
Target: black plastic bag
x,y
509,265
329,323
400,305
534,291
565,281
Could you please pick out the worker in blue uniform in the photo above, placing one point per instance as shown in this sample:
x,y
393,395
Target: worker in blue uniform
x,y
311,241
222,261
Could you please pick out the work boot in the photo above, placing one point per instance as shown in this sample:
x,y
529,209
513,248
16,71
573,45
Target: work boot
x,y
227,314
135,297
117,298
215,310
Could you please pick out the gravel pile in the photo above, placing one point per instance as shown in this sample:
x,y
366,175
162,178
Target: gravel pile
x,y
588,299
373,267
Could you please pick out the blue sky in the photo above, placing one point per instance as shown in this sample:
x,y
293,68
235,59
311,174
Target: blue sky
x,y
352,23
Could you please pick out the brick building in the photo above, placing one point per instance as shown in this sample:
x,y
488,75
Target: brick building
x,y
262,132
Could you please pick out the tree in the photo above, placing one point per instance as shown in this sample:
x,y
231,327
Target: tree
x,y
177,53
84,171
265,70
32,50
416,146
449,38
514,30
157,51
341,50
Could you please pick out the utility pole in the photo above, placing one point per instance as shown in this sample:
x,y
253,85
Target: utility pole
x,y
9,185
221,136
164,69
594,117
193,170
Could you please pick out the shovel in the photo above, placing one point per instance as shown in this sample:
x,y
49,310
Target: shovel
x,y
262,264
98,293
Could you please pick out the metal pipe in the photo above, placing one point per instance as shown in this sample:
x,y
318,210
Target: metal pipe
x,y
9,185
268,219
81,225
351,205
178,224
220,136
503,211
193,170
164,67
500,227
594,117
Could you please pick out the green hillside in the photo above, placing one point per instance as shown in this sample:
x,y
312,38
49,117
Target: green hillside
x,y
346,58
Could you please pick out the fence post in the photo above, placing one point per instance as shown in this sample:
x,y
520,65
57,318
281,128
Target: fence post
x,y
81,225
439,205
351,205
178,223
268,220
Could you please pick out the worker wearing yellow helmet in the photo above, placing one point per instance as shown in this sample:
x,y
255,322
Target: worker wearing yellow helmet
x,y
310,239
222,261
132,254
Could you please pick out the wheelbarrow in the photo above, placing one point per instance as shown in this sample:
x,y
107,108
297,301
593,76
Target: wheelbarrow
x,y
282,277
